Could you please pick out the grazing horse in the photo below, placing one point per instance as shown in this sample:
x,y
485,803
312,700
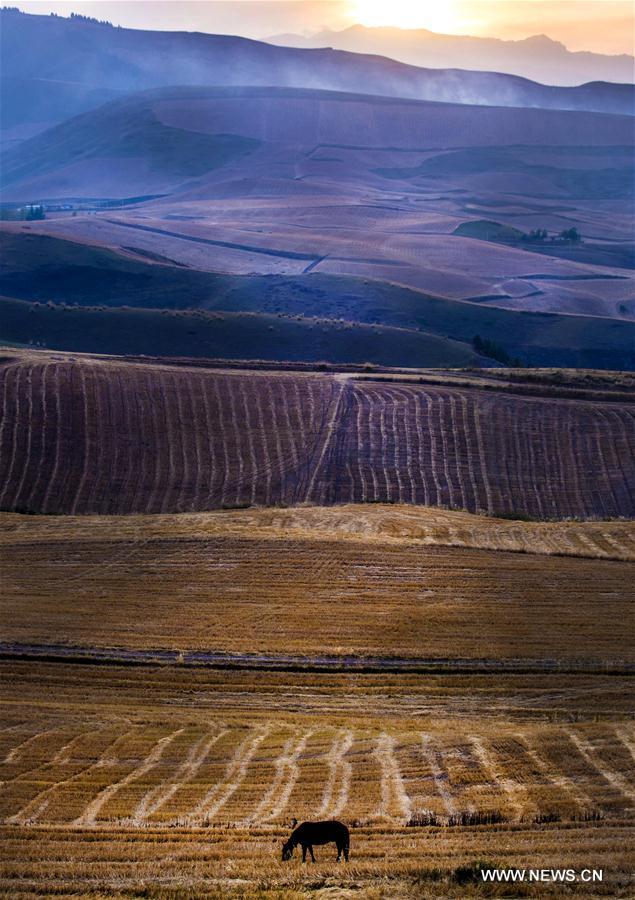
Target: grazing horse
x,y
309,834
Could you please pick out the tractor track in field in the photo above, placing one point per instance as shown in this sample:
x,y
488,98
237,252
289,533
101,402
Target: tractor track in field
x,y
118,656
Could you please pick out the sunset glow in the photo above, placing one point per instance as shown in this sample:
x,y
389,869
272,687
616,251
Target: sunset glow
x,y
601,26
439,16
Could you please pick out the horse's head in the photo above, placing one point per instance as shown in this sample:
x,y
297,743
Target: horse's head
x,y
287,851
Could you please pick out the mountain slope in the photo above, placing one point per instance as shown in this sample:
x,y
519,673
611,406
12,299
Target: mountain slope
x,y
54,67
127,137
234,335
287,181
155,141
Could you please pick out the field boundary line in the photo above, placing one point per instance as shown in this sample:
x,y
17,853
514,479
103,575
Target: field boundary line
x,y
515,791
393,791
625,739
15,753
330,429
287,774
559,779
218,659
441,779
34,808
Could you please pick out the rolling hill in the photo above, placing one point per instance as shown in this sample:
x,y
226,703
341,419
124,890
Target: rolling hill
x,y
237,335
418,570
89,435
92,299
272,181
54,67
158,142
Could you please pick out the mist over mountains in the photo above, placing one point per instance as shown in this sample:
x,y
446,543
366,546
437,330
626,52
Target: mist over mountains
x,y
305,179
538,58
54,68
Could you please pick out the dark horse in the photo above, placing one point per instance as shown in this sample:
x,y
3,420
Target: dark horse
x,y
309,834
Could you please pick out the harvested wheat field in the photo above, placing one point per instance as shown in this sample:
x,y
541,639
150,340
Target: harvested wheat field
x,y
180,779
165,781
387,581
334,642
83,434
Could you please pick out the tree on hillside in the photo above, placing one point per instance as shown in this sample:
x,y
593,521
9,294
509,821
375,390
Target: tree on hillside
x,y
35,212
486,347
535,236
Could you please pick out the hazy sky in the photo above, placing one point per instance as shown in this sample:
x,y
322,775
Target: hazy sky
x,y
603,25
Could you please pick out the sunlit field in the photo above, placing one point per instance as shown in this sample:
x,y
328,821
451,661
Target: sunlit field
x,y
126,781
387,581
317,452
452,687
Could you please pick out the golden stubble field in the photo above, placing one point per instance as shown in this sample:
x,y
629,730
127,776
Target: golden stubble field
x,y
379,580
176,782
180,781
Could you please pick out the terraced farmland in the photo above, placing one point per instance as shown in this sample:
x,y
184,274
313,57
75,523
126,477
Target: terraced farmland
x,y
86,435
123,777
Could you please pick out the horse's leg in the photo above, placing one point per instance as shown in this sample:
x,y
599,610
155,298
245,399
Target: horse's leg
x,y
346,852
303,852
311,852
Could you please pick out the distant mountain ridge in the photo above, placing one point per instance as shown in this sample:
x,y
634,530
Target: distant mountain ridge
x,y
539,57
53,68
